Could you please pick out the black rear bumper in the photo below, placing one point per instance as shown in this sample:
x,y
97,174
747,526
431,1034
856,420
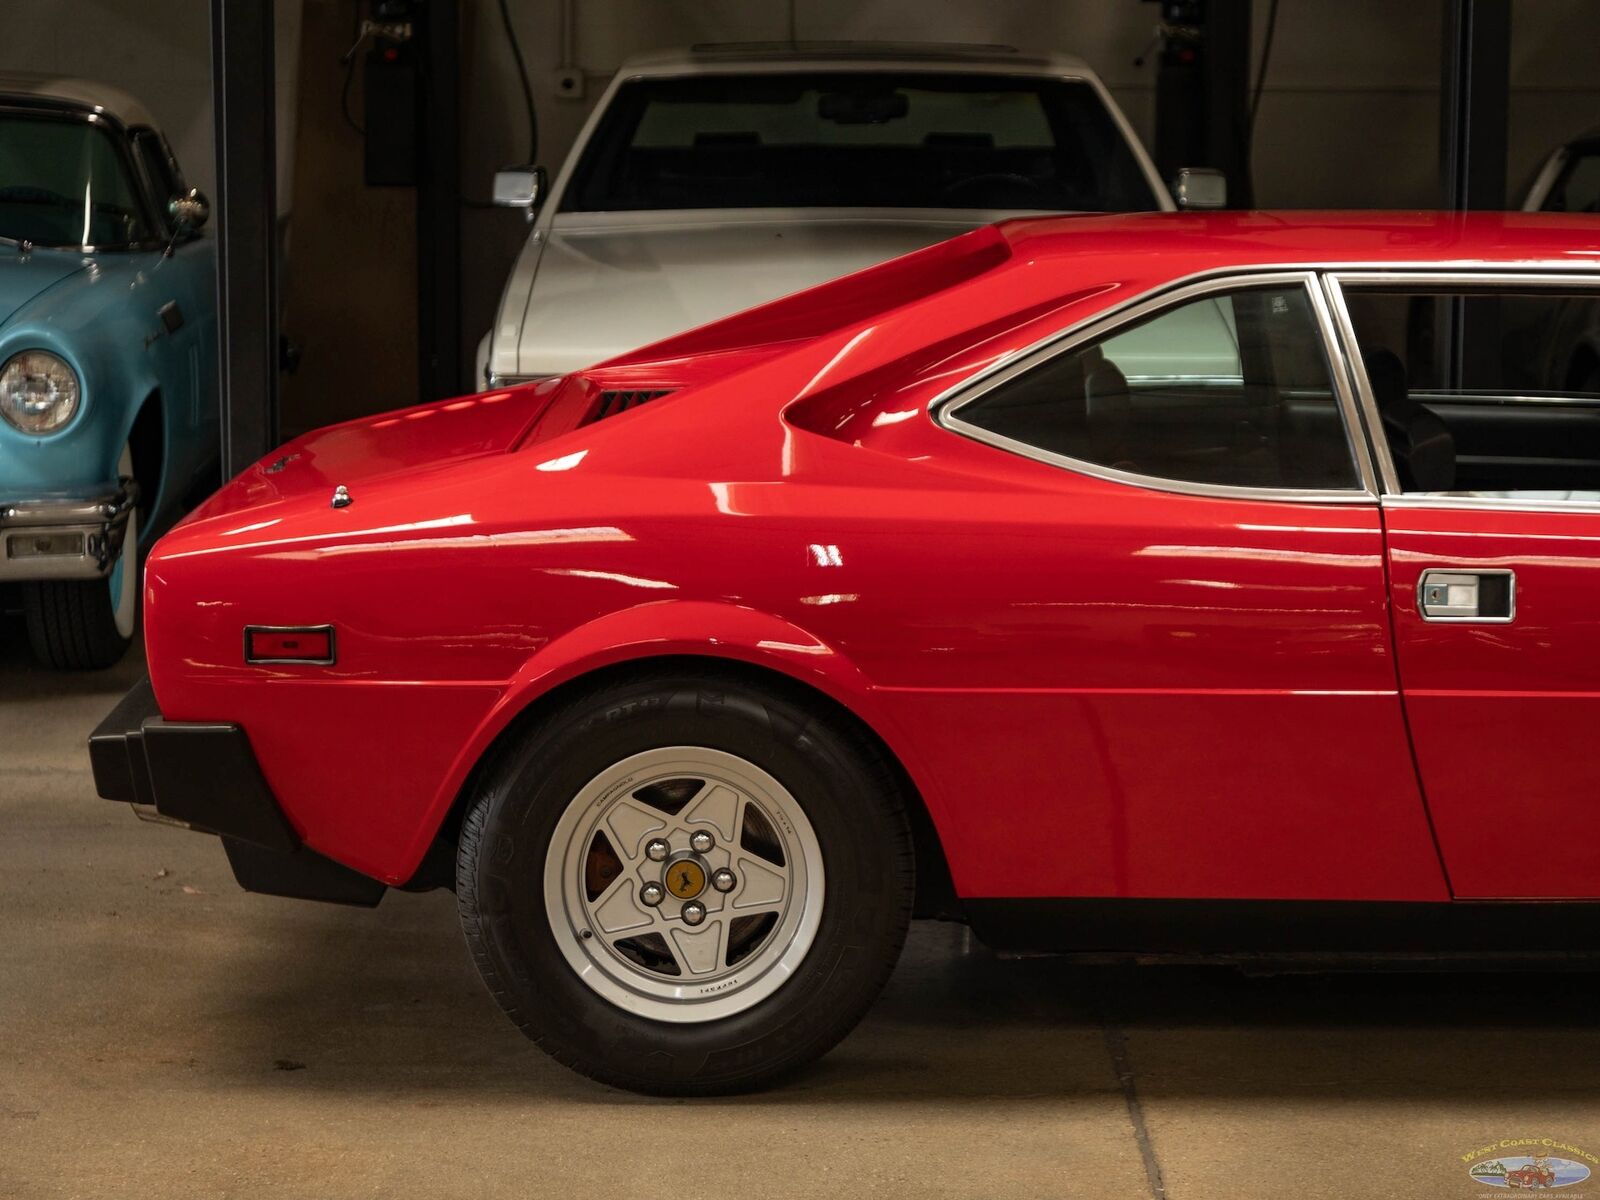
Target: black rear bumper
x,y
203,774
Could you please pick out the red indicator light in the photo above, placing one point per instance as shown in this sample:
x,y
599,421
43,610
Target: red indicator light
x,y
300,644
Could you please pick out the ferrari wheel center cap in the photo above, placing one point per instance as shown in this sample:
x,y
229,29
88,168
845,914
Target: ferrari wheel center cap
x,y
685,878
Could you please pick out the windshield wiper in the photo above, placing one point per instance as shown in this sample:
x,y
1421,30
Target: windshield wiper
x,y
22,244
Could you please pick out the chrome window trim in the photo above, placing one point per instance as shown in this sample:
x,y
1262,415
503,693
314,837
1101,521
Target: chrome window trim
x,y
1377,445
1533,275
944,408
1543,276
1470,500
1491,399
1203,380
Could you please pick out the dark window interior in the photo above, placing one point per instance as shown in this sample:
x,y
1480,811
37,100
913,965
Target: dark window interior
x,y
1577,188
64,181
1485,392
159,165
857,139
1232,389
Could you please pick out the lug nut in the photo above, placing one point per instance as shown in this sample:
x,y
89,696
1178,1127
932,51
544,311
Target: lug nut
x,y
657,850
700,841
723,879
694,912
652,894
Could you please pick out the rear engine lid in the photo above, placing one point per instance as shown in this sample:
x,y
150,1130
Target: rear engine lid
x,y
446,431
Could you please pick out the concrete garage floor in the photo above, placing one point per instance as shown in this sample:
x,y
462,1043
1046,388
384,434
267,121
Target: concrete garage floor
x,y
164,1034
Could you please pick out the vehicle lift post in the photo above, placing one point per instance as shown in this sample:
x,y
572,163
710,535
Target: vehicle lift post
x,y
243,100
1474,99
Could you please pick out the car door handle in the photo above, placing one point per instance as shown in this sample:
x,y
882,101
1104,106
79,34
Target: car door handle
x,y
1457,595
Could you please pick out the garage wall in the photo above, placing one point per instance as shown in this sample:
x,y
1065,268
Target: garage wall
x,y
1349,114
160,51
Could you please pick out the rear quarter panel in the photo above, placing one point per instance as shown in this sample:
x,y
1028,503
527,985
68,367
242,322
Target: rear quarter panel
x,y
924,599
448,626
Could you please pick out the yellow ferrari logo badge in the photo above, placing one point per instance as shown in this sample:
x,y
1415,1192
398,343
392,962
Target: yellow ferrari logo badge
x,y
686,879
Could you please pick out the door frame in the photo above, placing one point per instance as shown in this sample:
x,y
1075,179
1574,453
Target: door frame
x,y
1462,863
1391,495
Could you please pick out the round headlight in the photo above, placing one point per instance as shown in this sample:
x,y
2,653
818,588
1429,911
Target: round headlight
x,y
38,392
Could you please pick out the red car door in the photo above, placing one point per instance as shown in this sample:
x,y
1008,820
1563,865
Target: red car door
x,y
1171,663
1492,517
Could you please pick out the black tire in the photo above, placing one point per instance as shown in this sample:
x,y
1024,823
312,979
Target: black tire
x,y
71,625
849,795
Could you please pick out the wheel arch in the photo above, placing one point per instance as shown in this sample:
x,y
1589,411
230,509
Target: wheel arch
x,y
148,438
936,896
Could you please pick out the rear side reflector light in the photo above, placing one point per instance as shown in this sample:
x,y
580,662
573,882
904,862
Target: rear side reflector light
x,y
289,644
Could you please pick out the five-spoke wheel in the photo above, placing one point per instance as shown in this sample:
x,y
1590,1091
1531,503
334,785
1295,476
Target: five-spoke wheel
x,y
684,883
677,884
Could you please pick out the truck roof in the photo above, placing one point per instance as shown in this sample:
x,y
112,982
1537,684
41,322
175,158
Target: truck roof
x,y
722,56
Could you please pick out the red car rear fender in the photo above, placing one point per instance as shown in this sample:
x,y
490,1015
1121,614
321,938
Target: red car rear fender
x,y
691,628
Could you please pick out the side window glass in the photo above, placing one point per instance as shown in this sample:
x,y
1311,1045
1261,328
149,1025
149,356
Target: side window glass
x,y
1487,392
158,164
65,182
1232,389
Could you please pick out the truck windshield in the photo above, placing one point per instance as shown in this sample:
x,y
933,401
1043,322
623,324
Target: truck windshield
x,y
858,139
63,182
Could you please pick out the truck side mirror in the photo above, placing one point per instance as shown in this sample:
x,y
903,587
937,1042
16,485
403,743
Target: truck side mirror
x,y
1200,187
521,187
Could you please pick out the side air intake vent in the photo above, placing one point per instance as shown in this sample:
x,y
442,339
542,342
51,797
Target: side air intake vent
x,y
612,403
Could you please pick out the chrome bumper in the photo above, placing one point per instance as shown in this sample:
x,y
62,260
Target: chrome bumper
x,y
65,537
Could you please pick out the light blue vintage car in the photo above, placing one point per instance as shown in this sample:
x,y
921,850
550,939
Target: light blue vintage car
x,y
108,411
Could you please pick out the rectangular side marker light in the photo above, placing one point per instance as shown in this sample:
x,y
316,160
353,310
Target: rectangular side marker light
x,y
308,644
45,545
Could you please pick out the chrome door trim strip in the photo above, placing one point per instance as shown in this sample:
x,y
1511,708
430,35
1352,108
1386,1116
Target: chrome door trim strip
x,y
944,408
1469,500
1371,421
1339,371
1537,275
1492,399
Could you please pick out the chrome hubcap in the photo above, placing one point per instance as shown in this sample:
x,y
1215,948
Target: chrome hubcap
x,y
684,884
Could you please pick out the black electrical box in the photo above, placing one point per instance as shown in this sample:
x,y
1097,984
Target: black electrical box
x,y
391,116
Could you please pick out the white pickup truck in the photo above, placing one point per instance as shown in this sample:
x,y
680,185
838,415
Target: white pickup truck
x,y
712,179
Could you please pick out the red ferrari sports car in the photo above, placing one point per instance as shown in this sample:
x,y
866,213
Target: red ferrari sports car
x,y
1154,583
